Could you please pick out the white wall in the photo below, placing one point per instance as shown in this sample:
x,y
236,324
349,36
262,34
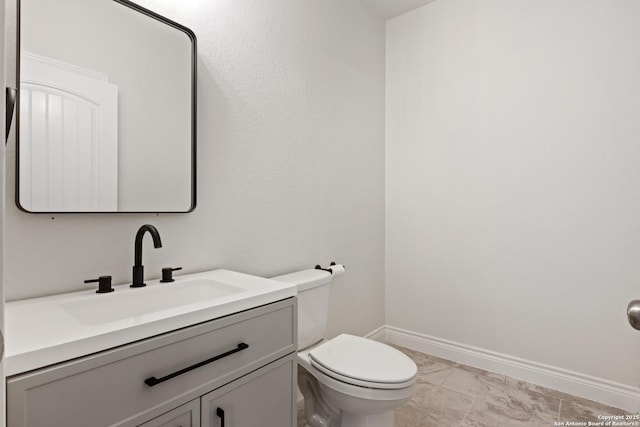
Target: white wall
x,y
392,8
290,162
513,179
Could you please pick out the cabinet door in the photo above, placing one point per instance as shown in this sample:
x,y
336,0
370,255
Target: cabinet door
x,y
187,415
264,398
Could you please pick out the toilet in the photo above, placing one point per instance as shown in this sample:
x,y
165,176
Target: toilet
x,y
347,381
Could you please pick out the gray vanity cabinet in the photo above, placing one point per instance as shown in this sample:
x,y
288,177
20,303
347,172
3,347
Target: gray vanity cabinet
x,y
259,399
183,416
243,363
262,398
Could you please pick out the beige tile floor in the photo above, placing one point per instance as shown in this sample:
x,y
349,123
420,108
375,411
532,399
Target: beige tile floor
x,y
451,394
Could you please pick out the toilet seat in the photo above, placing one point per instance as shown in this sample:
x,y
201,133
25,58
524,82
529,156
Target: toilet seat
x,y
364,363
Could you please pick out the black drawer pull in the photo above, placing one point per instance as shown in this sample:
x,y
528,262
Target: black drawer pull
x,y
151,381
220,414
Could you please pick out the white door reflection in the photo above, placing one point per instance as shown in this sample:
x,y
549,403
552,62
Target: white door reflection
x,y
68,137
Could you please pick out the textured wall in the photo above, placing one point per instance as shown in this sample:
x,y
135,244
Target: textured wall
x,y
290,162
513,179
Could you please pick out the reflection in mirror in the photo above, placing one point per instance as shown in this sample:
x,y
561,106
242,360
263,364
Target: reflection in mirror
x,y
106,109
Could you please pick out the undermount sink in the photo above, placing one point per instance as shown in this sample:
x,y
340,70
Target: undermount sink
x,y
146,301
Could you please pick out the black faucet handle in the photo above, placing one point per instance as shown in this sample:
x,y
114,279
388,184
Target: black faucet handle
x,y
104,284
167,274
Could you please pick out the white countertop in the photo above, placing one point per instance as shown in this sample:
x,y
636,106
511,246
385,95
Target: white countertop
x,y
41,331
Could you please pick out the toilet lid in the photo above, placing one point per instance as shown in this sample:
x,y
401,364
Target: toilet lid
x,y
363,360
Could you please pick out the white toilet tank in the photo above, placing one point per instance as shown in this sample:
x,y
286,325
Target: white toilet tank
x,y
313,304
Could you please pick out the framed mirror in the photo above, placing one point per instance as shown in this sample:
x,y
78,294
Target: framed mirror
x,y
106,109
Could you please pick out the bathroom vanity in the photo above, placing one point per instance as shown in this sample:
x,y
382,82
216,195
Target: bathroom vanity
x,y
172,368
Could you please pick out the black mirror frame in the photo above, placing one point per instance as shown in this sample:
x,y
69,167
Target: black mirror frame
x,y
194,66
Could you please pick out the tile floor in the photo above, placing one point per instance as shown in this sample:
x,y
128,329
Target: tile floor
x,y
451,394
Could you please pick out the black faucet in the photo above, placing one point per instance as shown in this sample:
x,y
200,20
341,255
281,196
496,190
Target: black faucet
x,y
138,268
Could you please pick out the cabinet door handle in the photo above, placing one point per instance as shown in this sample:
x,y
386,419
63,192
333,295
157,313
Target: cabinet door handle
x,y
220,414
151,381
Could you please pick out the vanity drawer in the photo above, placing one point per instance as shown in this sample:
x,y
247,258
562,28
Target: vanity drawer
x,y
109,388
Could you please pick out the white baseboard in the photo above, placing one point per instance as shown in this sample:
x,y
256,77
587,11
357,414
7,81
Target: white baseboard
x,y
600,390
378,334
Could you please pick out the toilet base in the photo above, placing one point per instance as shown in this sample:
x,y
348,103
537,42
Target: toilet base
x,y
347,420
326,407
384,419
317,410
